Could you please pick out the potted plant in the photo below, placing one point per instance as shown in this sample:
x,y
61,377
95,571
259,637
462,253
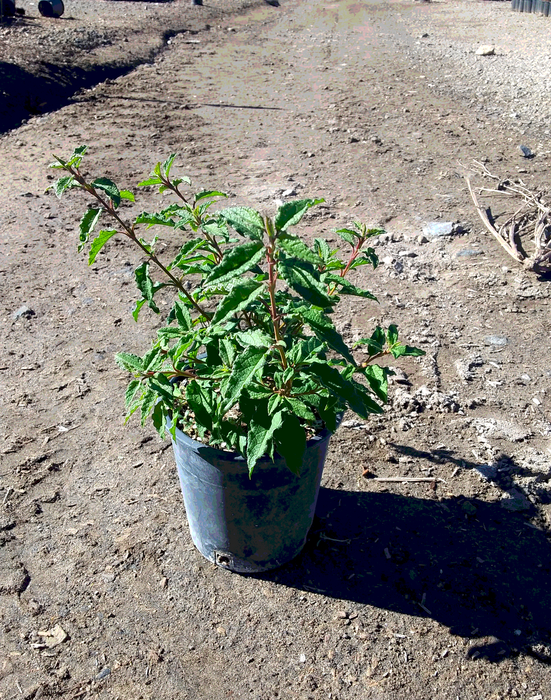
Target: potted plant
x,y
249,374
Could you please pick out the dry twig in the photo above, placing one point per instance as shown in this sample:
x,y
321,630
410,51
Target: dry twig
x,y
531,214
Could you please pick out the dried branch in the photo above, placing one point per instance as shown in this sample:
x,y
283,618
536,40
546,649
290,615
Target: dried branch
x,y
532,215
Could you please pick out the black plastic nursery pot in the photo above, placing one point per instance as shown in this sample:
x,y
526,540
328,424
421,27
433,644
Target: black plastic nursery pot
x,y
243,524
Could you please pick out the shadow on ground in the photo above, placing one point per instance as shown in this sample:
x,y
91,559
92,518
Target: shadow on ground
x,y
470,565
49,87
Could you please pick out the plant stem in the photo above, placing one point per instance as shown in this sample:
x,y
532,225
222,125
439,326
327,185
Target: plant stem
x,y
128,231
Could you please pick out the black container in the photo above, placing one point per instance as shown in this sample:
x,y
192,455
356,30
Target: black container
x,y
51,8
7,8
248,524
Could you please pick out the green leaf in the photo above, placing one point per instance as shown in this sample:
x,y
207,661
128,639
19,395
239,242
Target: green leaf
x,y
99,242
227,352
148,402
326,332
246,367
392,334
164,388
167,165
300,409
261,431
346,390
296,248
206,193
236,262
304,279
131,390
86,226
152,180
76,157
322,249
126,194
377,378
346,287
302,351
238,298
348,235
63,184
254,337
153,219
182,316
201,402
291,442
246,221
291,213
131,363
109,187
376,344
400,350
146,286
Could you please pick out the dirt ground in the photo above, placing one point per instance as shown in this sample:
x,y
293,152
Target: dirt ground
x,y
434,589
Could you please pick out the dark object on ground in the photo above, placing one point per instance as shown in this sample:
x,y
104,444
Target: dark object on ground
x,y
51,8
7,8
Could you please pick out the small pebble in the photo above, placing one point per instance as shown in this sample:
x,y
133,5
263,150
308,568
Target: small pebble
x,y
103,673
496,340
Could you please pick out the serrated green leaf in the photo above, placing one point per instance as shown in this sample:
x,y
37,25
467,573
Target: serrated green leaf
x,y
377,378
209,193
324,329
346,287
348,235
237,299
86,226
201,402
261,430
167,165
303,278
246,367
153,219
138,308
254,337
129,362
322,249
99,242
274,402
302,351
376,344
300,409
148,402
290,213
236,262
246,221
146,286
152,360
296,248
130,393
110,189
63,184
152,180
164,388
346,390
227,352
291,442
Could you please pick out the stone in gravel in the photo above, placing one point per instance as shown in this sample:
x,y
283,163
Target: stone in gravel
x,y
526,152
500,340
13,578
487,471
354,424
468,253
439,228
103,674
486,50
53,637
515,500
23,312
